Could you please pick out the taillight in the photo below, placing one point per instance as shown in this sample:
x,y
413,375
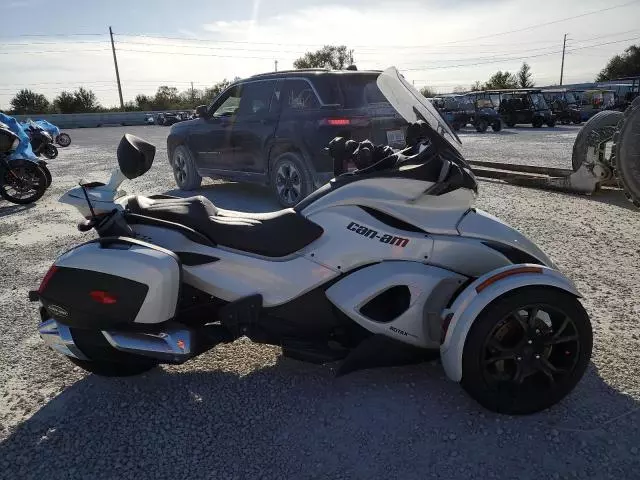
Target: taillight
x,y
103,297
335,122
47,278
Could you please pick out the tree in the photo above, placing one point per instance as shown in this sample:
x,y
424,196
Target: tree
x,y
80,101
144,102
85,101
477,86
329,56
166,98
428,92
501,79
28,102
212,92
624,65
65,102
524,76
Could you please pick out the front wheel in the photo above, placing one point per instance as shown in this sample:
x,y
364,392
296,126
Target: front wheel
x,y
184,169
537,122
290,179
43,166
50,151
527,350
481,126
551,123
64,140
497,126
23,182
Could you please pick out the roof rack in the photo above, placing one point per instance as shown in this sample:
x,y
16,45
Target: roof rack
x,y
299,70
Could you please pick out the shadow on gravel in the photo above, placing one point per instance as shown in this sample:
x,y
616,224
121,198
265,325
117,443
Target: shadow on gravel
x,y
294,420
235,196
9,209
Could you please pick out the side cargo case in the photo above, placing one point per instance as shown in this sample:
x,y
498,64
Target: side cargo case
x,y
112,282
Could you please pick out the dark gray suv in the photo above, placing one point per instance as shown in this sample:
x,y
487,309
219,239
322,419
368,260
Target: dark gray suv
x,y
273,128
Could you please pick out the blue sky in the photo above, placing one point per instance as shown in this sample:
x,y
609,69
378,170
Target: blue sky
x,y
433,42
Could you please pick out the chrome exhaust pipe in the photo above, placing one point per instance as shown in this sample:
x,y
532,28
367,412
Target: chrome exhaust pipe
x,y
174,345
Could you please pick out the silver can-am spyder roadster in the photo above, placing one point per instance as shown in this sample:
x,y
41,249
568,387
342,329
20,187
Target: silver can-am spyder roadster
x,y
383,265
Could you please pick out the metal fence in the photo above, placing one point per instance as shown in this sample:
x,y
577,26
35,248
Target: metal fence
x,y
92,120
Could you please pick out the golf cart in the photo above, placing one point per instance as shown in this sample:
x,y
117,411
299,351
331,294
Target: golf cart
x,y
524,105
596,100
485,111
455,109
564,105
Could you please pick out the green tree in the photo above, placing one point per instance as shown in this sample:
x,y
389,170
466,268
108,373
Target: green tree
x,y
212,92
626,64
477,86
329,56
428,92
166,98
65,103
144,102
85,101
501,79
524,76
27,102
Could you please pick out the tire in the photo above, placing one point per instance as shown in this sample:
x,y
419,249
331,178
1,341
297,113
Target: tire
x,y
50,151
601,126
496,126
627,153
20,176
114,369
184,169
43,166
537,122
565,346
510,123
481,126
551,123
290,179
64,140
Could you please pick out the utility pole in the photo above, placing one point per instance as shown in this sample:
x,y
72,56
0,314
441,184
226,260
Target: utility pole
x,y
276,64
115,63
193,93
351,57
564,44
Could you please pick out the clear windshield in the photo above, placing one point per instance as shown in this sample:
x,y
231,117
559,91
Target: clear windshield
x,y
570,98
538,101
412,105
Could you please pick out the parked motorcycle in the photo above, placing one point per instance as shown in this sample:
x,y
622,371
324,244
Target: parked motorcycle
x,y
380,266
21,180
41,141
62,139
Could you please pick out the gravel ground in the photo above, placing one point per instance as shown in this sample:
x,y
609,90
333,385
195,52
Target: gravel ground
x,y
242,411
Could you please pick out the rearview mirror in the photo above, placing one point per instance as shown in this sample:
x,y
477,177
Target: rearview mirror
x,y
202,111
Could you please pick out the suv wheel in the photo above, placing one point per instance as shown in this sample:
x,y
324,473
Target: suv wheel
x,y
184,169
537,122
290,179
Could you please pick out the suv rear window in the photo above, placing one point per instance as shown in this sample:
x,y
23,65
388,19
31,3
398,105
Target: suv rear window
x,y
360,90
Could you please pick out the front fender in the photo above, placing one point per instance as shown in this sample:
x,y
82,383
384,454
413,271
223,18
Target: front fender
x,y
473,300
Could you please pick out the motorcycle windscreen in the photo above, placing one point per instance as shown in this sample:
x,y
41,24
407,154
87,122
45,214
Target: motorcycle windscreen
x,y
412,105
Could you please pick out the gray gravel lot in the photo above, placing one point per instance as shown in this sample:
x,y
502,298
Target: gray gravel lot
x,y
242,411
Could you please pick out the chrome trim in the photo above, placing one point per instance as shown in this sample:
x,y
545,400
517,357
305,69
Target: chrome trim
x,y
58,337
174,345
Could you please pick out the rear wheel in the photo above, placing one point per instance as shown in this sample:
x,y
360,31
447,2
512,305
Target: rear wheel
x,y
23,182
527,350
599,129
551,123
481,126
496,126
537,122
184,169
510,122
64,140
290,179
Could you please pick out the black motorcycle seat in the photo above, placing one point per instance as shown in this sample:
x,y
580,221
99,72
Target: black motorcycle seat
x,y
273,234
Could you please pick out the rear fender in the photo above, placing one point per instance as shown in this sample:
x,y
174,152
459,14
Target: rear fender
x,y
475,297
